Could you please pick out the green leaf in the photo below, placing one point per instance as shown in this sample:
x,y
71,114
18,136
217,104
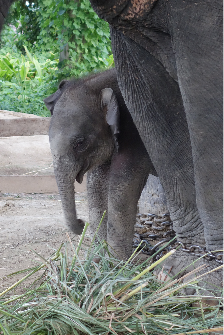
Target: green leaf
x,y
24,70
61,11
90,24
37,66
8,64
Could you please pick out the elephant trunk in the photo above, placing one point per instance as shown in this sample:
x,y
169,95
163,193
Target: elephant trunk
x,y
65,182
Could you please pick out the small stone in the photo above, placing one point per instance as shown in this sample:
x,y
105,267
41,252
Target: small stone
x,y
153,237
138,225
157,228
136,242
151,215
141,230
158,220
166,223
170,233
148,223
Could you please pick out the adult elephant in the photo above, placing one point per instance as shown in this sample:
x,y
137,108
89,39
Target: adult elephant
x,y
168,56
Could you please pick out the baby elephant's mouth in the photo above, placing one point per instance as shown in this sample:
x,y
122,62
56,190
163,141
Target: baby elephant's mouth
x,y
80,175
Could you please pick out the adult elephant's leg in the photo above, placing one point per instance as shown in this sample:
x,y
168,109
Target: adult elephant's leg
x,y
197,40
155,103
97,190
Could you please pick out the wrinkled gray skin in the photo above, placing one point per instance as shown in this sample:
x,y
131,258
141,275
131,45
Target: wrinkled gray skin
x,y
168,57
92,130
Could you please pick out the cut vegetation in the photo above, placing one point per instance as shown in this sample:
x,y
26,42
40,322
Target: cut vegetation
x,y
76,296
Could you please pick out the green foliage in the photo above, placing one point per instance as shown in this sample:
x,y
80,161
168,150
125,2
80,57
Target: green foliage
x,y
45,41
8,40
25,81
69,27
75,28
23,15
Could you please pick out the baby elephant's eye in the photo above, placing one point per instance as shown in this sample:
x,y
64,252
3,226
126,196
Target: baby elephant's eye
x,y
79,144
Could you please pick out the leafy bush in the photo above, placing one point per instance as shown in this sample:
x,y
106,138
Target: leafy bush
x,y
25,81
23,17
30,101
67,39
70,29
78,30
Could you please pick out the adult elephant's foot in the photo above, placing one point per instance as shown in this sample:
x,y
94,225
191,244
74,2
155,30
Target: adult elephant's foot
x,y
212,281
208,278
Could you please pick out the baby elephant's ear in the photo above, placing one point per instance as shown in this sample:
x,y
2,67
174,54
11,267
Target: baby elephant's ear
x,y
109,101
53,98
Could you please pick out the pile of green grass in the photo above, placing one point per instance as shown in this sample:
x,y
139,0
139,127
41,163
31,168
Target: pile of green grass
x,y
110,297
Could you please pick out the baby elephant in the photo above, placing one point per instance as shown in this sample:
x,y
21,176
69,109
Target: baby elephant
x,y
92,130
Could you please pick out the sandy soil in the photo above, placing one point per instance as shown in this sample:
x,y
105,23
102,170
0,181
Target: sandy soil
x,y
25,155
30,224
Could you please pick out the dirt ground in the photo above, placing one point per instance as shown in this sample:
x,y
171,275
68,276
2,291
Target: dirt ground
x,y
30,224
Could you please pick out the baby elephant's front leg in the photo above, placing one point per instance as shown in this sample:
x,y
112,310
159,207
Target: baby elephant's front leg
x,y
97,189
125,186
